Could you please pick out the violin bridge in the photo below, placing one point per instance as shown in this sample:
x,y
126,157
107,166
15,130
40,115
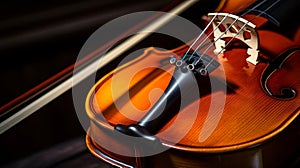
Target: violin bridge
x,y
232,26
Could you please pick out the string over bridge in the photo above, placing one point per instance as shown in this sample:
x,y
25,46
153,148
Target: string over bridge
x,y
235,27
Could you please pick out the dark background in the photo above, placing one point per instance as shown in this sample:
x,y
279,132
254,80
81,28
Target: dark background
x,y
37,40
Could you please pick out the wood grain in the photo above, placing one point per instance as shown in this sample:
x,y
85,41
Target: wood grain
x,y
249,117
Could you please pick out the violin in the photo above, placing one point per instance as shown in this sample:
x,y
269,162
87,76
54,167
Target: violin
x,y
225,96
215,101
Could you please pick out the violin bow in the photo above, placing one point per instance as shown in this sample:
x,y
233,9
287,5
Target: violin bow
x,y
68,81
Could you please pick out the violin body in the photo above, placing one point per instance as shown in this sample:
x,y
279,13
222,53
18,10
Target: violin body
x,y
242,106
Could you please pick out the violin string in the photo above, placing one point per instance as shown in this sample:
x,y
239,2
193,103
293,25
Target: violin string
x,y
207,36
201,34
212,43
230,26
239,32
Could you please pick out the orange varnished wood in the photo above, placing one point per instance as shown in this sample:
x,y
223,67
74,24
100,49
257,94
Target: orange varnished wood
x,y
235,6
250,116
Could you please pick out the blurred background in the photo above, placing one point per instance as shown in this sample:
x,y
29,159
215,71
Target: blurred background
x,y
38,39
